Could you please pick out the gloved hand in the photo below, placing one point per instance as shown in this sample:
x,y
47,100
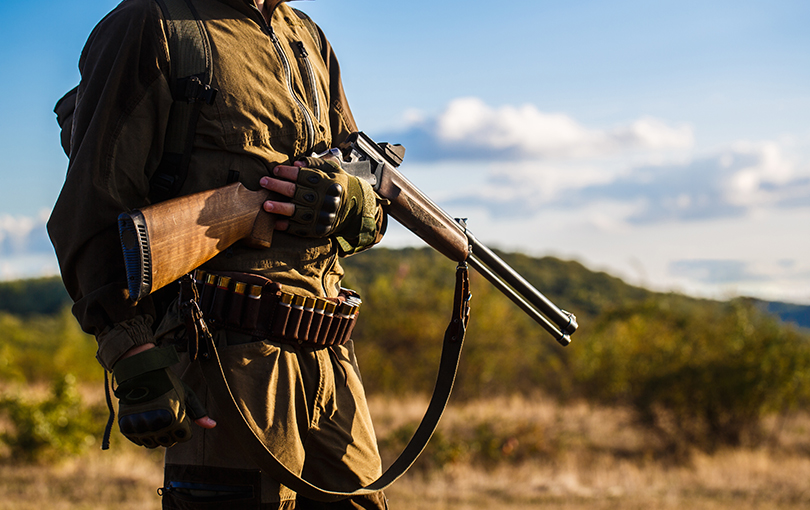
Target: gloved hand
x,y
324,199
154,404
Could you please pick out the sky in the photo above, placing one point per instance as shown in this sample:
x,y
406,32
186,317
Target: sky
x,y
666,143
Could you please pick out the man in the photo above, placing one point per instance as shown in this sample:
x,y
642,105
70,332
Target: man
x,y
279,99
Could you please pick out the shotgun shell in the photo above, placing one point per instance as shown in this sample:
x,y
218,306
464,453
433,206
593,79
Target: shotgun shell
x,y
250,317
282,315
237,303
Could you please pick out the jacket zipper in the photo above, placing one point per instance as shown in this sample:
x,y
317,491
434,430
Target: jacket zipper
x,y
310,136
310,126
313,90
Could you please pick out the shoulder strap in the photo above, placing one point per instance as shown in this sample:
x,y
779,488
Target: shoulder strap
x,y
191,77
190,52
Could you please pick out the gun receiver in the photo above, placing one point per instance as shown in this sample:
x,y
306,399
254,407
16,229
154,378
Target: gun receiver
x,y
377,164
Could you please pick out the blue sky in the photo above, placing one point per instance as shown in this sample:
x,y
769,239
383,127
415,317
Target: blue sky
x,y
664,142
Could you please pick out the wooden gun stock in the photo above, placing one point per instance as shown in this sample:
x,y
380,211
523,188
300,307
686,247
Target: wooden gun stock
x,y
162,242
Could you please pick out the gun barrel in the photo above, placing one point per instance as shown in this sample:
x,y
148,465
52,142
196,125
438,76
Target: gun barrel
x,y
518,299
558,322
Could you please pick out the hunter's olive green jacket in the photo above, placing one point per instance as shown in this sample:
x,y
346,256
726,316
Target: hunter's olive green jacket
x,y
268,111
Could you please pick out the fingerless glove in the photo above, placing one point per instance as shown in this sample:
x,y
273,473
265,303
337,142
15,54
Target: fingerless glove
x,y
329,201
155,406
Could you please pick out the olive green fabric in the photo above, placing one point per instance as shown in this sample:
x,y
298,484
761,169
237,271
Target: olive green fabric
x,y
321,427
155,406
258,120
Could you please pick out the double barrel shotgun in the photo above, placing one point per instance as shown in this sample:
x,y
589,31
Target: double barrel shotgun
x,y
164,241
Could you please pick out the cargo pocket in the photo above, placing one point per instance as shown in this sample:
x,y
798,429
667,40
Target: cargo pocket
x,y
203,487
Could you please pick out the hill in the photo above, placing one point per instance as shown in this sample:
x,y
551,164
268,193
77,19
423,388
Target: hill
x,y
569,284
787,312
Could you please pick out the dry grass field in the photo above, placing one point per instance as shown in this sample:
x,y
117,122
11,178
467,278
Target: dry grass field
x,y
595,458
515,453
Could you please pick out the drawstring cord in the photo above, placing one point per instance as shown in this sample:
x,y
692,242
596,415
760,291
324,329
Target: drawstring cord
x,y
105,441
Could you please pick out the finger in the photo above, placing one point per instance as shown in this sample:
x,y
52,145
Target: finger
x,y
281,225
194,406
281,208
287,172
286,188
205,422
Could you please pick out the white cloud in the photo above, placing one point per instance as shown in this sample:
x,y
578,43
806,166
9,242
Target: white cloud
x,y
31,265
19,233
470,129
764,176
732,182
25,250
14,231
538,184
523,129
650,133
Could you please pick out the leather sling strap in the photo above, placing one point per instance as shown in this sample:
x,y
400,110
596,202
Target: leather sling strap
x,y
245,432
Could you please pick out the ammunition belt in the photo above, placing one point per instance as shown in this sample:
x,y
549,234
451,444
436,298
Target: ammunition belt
x,y
257,306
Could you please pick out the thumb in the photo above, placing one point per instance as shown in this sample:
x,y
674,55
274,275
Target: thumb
x,y
194,407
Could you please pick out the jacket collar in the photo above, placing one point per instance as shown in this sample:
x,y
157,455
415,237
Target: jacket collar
x,y
247,6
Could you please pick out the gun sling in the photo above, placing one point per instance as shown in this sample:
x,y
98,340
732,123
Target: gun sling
x,y
246,432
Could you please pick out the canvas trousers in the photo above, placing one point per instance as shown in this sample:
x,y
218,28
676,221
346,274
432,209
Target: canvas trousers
x,y
309,404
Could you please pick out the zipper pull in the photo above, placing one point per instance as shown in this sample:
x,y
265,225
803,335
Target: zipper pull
x,y
302,49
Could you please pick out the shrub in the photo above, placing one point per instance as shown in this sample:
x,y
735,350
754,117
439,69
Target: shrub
x,y
51,426
701,375
485,443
